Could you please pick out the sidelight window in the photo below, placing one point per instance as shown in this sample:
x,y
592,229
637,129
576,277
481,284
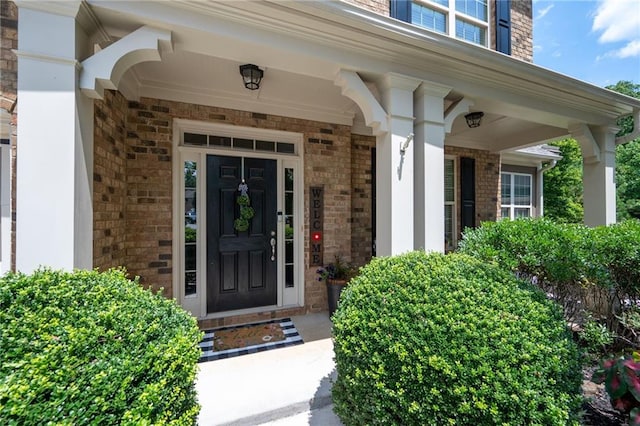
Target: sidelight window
x,y
190,228
289,228
449,205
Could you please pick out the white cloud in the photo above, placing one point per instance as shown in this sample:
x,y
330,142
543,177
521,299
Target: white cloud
x,y
543,12
632,49
617,21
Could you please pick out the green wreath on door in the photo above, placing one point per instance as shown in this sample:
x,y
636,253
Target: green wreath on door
x,y
241,224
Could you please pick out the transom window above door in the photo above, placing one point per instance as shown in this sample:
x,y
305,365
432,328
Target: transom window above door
x,y
221,141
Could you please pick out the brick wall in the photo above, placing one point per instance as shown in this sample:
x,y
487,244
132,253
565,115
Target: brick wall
x,y
487,183
147,183
377,6
8,60
522,30
109,186
361,198
327,162
149,193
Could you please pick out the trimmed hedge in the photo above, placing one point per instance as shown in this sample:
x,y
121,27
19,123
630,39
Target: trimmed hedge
x,y
592,268
428,339
549,250
94,348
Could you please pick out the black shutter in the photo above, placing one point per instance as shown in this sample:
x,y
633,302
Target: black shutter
x,y
401,9
468,192
503,26
373,202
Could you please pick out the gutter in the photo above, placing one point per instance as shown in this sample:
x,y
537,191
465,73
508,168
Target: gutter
x,y
540,178
551,165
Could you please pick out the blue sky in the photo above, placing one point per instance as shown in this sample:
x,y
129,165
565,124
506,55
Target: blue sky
x,y
597,41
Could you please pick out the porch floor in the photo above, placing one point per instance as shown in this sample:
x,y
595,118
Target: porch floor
x,y
288,386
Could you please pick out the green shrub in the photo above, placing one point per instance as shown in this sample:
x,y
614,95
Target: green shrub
x,y
582,268
537,247
190,235
557,256
617,251
94,348
595,337
434,340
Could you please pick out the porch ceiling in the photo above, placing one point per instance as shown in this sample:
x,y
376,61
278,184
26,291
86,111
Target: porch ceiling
x,y
302,45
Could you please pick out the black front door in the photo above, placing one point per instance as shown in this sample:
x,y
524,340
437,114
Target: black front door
x,y
241,265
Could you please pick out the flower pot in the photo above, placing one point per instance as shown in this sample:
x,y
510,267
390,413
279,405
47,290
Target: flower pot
x,y
334,288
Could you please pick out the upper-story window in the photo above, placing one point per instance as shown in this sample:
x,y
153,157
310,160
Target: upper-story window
x,y
463,19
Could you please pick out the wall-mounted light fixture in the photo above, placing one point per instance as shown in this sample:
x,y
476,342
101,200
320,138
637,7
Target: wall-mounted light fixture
x,y
251,75
406,143
474,118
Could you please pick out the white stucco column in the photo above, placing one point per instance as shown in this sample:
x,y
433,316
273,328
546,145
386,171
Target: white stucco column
x,y
394,170
429,166
54,214
599,180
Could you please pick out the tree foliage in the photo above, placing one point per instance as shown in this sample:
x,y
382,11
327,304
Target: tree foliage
x,y
630,89
563,185
627,160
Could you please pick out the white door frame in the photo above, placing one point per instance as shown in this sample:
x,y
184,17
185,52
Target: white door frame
x,y
197,303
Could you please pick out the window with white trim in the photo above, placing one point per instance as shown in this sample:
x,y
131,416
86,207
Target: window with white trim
x,y
464,19
516,200
449,204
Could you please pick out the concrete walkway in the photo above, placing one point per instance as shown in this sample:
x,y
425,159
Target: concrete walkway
x,y
288,386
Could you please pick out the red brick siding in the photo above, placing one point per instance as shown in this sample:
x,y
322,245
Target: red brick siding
x,y
377,6
522,30
361,198
109,186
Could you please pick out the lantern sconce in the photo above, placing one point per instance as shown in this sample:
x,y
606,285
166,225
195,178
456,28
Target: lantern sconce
x,y
474,118
251,76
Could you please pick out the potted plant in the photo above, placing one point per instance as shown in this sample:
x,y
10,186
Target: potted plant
x,y
336,275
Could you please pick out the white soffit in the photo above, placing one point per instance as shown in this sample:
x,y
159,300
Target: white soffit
x,y
206,80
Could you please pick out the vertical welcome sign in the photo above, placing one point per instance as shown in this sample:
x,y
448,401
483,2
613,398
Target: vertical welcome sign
x,y
316,225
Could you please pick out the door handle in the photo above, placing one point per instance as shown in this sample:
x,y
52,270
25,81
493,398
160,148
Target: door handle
x,y
273,246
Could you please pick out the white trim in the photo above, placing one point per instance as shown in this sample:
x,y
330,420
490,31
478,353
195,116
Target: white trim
x,y
42,57
197,303
105,68
354,88
5,206
63,8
